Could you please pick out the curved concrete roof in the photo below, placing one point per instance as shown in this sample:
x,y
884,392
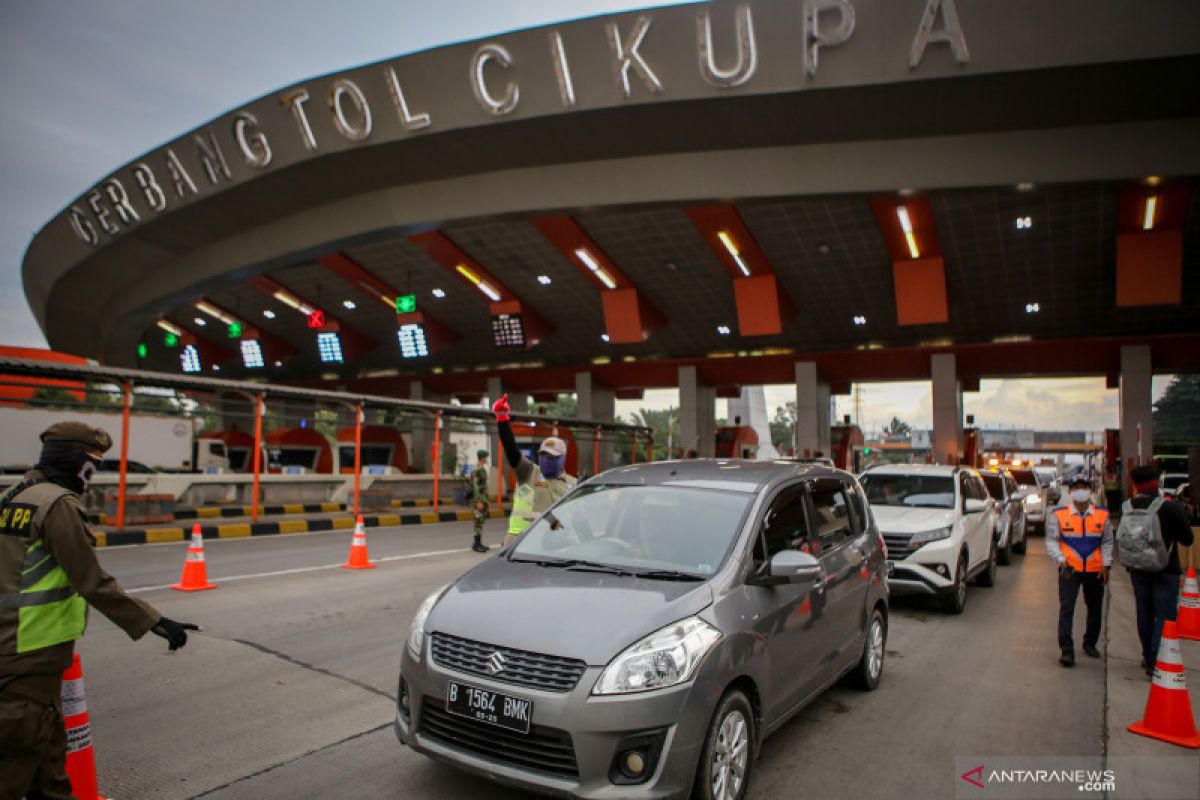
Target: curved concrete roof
x,y
632,109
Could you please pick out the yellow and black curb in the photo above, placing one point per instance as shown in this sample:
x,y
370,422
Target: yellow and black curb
x,y
213,512
239,530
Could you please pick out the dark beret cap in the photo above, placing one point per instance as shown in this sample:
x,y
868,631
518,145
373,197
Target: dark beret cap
x,y
78,432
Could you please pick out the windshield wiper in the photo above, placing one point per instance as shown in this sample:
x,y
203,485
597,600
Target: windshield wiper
x,y
668,575
574,564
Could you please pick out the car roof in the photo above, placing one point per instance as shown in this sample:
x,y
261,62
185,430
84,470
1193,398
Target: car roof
x,y
728,474
944,470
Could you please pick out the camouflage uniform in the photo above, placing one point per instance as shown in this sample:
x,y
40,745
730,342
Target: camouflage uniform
x,y
479,494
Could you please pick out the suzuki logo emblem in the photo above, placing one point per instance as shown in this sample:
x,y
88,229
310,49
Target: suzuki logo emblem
x,y
495,663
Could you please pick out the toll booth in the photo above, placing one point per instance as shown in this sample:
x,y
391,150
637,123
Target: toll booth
x,y
298,450
382,446
972,448
239,446
848,443
737,441
530,436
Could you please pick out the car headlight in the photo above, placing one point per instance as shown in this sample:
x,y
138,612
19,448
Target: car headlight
x,y
416,634
1032,500
924,537
667,657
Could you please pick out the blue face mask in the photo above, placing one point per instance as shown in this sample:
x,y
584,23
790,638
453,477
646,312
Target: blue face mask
x,y
551,466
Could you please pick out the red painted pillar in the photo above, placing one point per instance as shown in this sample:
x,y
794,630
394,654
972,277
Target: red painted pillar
x,y
258,421
358,421
121,488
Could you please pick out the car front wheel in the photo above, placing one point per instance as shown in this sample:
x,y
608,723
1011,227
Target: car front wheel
x,y
988,576
725,761
956,600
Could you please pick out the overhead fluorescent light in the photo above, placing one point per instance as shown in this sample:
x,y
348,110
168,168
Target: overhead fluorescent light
x,y
214,312
290,300
589,261
1148,217
723,330
860,320
170,327
349,305
727,240
906,226
1032,308
200,321
1024,223
439,293
268,313
478,282
544,280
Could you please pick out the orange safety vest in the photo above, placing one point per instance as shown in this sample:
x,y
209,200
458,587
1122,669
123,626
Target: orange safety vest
x,y
1079,537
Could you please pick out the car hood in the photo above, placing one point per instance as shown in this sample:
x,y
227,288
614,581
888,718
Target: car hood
x,y
897,519
586,615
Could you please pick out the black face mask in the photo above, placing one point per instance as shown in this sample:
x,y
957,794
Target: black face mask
x,y
67,464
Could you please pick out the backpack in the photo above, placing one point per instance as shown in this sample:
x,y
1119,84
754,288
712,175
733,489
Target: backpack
x,y
1139,537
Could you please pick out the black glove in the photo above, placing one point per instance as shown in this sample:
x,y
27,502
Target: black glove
x,y
174,632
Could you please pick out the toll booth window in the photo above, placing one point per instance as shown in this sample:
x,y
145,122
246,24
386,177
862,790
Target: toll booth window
x,y
785,527
833,517
237,458
298,457
372,456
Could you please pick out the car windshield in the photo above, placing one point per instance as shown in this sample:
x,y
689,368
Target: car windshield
x,y
1025,477
995,485
913,491
640,528
1173,481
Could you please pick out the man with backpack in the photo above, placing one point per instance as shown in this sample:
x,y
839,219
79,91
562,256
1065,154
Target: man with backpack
x,y
1079,538
1147,544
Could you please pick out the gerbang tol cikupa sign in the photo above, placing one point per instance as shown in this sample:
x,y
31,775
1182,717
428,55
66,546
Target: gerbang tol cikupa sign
x,y
675,53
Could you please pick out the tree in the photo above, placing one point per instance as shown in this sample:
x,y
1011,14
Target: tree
x,y
897,429
782,426
1177,413
658,420
53,397
565,407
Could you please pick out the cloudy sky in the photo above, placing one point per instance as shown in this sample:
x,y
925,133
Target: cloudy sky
x,y
89,85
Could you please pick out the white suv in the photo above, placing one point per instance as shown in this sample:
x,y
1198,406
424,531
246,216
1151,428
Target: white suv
x,y
937,523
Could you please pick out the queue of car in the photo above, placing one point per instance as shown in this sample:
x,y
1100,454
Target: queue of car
x,y
643,636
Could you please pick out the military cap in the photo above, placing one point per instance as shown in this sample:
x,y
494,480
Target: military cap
x,y
78,432
481,454
553,446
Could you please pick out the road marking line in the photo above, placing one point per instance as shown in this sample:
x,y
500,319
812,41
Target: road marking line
x,y
218,579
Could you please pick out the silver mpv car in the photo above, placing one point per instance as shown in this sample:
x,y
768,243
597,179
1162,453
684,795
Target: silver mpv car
x,y
644,634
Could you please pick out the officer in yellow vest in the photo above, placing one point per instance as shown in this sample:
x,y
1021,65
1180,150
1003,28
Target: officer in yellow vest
x,y
540,485
1079,537
48,576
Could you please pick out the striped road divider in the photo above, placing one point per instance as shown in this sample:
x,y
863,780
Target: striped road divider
x,y
211,512
240,530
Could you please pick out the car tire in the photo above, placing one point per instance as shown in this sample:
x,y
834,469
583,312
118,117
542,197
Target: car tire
x,y
956,600
728,747
870,667
1019,547
1004,554
988,576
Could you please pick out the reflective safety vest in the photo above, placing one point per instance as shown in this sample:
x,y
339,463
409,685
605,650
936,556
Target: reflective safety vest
x,y
48,611
1079,537
535,496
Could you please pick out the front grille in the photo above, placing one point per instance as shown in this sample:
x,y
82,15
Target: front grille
x,y
552,673
548,750
899,546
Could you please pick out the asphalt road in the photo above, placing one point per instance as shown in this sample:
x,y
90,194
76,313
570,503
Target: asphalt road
x,y
288,692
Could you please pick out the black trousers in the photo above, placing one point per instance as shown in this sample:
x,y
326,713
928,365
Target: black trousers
x,y
1157,597
1093,597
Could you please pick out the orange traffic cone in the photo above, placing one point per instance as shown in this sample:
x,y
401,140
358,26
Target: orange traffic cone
x,y
1187,621
1169,710
358,549
81,760
195,574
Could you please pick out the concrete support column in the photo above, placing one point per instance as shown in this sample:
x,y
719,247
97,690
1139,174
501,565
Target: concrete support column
x,y
697,415
421,454
596,402
517,401
813,432
1135,406
947,409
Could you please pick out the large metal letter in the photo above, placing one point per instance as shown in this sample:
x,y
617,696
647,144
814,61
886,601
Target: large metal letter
x,y
295,100
341,89
747,49
155,197
82,226
408,120
815,38
252,141
211,157
179,175
103,215
497,53
562,70
628,57
951,33
120,201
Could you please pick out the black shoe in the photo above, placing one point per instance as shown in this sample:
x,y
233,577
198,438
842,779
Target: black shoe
x,y
1091,651
1067,659
1149,670
1145,664
479,547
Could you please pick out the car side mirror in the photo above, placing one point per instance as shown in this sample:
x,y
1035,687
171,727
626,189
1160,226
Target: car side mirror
x,y
973,505
790,566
